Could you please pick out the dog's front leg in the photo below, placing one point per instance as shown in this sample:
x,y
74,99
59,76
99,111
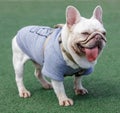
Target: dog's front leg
x,y
60,93
79,89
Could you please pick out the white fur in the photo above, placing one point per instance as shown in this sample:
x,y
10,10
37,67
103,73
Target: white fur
x,y
60,93
19,59
74,24
84,25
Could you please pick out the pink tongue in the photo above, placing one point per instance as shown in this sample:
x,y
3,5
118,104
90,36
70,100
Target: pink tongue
x,y
91,54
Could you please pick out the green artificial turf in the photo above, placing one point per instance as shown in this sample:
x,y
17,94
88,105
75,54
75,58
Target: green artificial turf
x,y
103,85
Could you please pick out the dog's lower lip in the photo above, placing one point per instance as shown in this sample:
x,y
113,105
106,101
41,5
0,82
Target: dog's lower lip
x,y
80,46
78,49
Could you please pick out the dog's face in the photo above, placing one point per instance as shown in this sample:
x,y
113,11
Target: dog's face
x,y
84,38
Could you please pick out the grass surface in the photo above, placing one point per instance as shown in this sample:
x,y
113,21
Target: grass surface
x,y
103,85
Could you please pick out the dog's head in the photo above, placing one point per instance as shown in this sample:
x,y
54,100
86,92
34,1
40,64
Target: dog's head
x,y
84,38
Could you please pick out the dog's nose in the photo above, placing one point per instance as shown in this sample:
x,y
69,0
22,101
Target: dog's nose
x,y
97,37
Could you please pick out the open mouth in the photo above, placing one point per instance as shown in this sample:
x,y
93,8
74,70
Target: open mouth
x,y
90,47
91,50
91,53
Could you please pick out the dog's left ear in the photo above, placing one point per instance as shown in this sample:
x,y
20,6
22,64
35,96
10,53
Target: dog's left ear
x,y
72,16
97,13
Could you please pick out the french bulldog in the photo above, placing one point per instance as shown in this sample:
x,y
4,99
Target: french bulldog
x,y
72,48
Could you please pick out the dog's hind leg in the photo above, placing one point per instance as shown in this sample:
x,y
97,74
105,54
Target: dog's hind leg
x,y
19,59
41,78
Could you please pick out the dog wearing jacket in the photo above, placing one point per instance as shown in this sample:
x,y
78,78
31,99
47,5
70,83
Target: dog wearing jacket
x,y
69,49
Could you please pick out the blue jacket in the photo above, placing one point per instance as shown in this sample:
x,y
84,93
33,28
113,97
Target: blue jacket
x,y
31,41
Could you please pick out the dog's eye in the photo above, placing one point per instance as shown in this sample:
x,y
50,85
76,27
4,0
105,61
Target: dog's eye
x,y
104,33
85,33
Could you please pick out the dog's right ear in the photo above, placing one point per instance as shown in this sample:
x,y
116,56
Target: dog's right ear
x,y
72,16
97,13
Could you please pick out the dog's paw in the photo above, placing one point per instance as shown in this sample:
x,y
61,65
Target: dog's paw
x,y
24,93
66,102
81,91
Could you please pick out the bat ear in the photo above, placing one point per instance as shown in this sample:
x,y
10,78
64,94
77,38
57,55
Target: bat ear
x,y
97,13
72,16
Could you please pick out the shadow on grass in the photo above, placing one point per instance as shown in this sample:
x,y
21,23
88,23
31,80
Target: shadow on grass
x,y
100,90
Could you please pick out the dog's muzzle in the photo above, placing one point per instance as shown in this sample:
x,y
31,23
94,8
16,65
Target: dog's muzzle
x,y
92,45
96,38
